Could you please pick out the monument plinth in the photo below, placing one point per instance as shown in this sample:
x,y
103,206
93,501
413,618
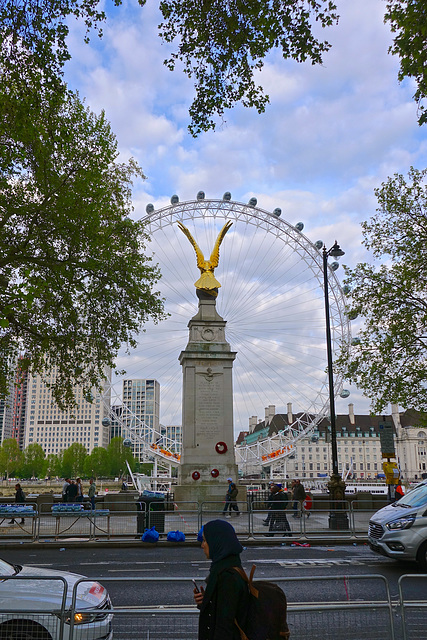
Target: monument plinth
x,y
207,458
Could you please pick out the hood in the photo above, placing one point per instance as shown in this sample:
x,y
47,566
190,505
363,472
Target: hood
x,y
392,512
48,593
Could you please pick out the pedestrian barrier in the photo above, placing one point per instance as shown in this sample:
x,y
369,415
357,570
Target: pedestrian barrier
x,y
65,521
331,607
127,519
413,606
334,608
19,522
48,620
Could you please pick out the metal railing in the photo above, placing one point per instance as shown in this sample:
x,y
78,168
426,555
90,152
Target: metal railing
x,y
331,607
413,606
251,519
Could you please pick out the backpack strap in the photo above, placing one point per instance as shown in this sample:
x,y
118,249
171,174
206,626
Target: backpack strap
x,y
253,590
242,574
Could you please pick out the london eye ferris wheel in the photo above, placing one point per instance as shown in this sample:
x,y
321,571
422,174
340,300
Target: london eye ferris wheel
x,y
271,297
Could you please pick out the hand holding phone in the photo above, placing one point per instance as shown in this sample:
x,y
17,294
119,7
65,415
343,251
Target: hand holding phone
x,y
198,594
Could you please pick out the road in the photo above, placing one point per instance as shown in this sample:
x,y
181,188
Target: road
x,y
334,592
273,563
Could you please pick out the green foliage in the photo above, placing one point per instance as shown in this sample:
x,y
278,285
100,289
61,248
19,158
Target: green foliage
x,y
143,467
222,44
33,463
73,460
408,20
74,282
117,456
41,27
97,463
390,363
10,457
53,465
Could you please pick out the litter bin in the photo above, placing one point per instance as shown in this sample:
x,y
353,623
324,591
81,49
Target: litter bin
x,y
156,514
151,513
141,516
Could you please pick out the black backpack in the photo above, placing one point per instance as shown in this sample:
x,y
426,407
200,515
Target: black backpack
x,y
266,618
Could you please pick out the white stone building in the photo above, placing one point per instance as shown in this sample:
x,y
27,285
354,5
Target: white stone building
x,y
358,445
411,443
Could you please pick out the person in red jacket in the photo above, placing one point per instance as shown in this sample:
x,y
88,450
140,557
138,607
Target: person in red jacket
x,y
398,491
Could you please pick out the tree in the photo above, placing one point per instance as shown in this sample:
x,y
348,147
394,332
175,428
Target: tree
x,y
117,455
10,457
408,20
73,460
390,361
97,463
74,281
34,462
220,44
53,465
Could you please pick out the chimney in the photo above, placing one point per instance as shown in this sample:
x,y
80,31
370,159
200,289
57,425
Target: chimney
x,y
270,412
290,416
351,413
253,421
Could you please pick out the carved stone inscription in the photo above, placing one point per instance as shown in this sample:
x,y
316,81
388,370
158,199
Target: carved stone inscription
x,y
209,405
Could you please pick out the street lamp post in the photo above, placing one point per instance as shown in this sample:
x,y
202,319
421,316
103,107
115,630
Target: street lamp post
x,y
338,518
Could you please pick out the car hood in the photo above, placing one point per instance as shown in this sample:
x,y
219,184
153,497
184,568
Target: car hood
x,y
390,512
45,587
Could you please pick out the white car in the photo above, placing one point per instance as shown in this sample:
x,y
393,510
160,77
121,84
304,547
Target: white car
x,y
35,605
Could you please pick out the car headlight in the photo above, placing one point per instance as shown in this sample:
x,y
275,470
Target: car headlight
x,y
401,523
97,615
82,618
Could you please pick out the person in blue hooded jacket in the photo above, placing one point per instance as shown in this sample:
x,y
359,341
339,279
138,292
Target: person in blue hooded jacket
x,y
226,597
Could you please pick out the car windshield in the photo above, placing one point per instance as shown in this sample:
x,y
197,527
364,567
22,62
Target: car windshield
x,y
417,497
6,569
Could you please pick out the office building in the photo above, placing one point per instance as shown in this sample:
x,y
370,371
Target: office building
x,y
141,413
54,429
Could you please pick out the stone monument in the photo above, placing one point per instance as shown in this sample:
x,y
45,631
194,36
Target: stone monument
x,y
207,457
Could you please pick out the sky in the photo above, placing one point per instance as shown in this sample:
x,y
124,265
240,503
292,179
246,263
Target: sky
x,y
330,136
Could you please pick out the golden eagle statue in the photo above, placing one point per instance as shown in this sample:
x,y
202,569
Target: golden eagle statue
x,y
207,280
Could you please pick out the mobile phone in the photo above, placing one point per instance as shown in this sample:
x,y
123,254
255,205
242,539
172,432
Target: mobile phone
x,y
195,586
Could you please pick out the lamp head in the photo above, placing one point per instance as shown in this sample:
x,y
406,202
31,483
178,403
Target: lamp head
x,y
336,251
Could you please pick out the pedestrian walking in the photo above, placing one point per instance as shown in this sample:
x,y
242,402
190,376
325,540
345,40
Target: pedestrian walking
x,y
225,600
19,499
298,497
227,505
279,504
71,491
266,522
92,492
65,490
398,491
79,496
233,499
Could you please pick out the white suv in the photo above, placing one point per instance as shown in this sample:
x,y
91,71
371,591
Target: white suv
x,y
399,530
35,604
